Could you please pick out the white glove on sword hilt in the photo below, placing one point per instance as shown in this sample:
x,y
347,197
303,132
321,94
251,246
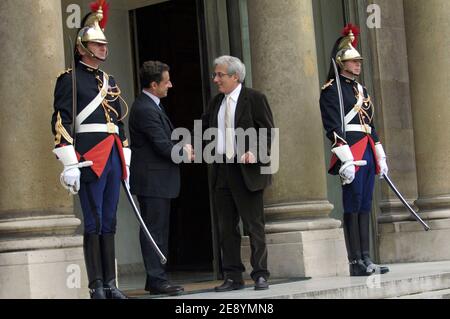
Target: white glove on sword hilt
x,y
347,170
127,157
381,158
70,176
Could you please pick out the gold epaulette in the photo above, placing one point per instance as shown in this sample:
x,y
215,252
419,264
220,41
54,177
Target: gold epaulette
x,y
327,84
64,72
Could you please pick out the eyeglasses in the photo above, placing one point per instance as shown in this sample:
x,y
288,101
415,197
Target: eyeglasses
x,y
219,75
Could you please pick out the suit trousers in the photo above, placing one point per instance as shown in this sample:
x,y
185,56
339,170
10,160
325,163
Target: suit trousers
x,y
156,215
234,200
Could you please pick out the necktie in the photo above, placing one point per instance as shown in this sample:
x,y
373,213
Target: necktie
x,y
229,145
163,110
161,107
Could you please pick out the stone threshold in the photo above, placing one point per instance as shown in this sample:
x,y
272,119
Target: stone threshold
x,y
405,279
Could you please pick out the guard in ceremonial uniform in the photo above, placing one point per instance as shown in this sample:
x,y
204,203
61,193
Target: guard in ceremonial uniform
x,y
347,115
92,146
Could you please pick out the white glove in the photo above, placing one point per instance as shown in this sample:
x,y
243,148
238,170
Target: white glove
x,y
128,175
127,156
70,176
381,158
347,170
70,179
383,167
347,173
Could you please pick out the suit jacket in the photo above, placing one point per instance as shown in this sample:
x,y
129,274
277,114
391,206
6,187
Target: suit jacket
x,y
252,111
152,171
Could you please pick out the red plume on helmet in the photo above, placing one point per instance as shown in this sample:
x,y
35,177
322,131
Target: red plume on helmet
x,y
105,8
355,30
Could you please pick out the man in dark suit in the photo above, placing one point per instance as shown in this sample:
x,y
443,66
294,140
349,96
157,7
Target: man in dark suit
x,y
155,178
237,182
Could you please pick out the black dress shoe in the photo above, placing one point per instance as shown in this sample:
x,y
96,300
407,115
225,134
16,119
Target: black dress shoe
x,y
383,269
229,285
166,289
374,268
96,290
377,269
358,269
97,293
261,283
112,292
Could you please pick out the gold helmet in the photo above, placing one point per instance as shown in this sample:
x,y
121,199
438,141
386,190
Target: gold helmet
x,y
93,27
346,48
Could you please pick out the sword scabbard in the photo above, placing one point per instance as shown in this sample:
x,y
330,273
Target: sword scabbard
x,y
405,203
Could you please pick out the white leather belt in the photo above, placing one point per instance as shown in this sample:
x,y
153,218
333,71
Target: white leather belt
x,y
354,111
358,128
92,106
98,128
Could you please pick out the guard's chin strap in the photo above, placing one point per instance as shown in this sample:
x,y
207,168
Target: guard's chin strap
x,y
96,57
85,48
349,71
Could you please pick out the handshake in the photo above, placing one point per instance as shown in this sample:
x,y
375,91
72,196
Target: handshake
x,y
189,151
247,158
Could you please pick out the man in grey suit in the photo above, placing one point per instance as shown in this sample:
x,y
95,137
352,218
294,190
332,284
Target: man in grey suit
x,y
154,177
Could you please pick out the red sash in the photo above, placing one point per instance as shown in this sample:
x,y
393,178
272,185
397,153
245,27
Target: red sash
x,y
358,150
99,155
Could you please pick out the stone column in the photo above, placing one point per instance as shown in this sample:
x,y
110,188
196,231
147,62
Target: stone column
x,y
39,255
302,239
391,97
428,46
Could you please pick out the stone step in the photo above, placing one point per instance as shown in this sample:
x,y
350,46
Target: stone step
x,y
437,294
432,278
380,288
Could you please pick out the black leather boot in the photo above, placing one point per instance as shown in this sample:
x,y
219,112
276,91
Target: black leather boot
x,y
109,267
93,259
364,224
352,242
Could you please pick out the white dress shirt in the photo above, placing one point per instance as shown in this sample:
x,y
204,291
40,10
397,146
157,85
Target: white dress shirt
x,y
155,99
221,118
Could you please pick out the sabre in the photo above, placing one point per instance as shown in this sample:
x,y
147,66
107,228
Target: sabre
x,y
162,258
74,91
394,189
341,100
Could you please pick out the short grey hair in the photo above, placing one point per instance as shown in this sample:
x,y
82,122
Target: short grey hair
x,y
233,64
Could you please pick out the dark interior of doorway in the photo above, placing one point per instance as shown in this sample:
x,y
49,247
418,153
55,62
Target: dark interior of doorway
x,y
168,32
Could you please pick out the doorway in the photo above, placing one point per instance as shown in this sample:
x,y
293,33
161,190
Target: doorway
x,y
171,33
